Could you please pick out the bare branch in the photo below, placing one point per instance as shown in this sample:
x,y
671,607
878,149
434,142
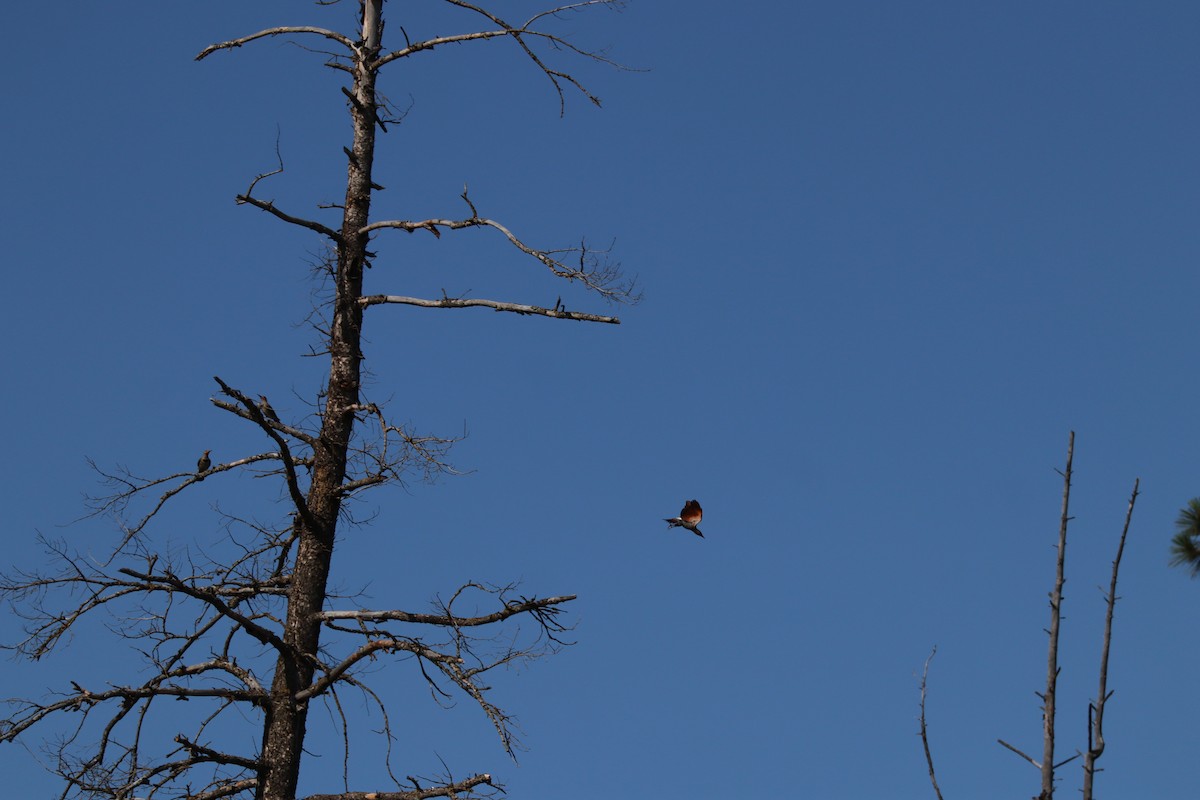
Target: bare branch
x,y
429,44
335,36
133,485
463,787
456,659
517,308
369,649
47,627
228,790
1018,752
274,424
599,276
519,35
270,208
510,609
208,754
924,730
213,598
523,35
255,412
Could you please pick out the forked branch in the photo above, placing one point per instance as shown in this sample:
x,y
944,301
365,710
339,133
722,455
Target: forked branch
x,y
594,272
524,35
255,412
460,657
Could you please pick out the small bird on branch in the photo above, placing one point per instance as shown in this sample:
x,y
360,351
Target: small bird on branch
x,y
688,518
204,463
267,411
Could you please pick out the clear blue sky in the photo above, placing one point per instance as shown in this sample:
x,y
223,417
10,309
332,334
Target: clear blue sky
x,y
892,253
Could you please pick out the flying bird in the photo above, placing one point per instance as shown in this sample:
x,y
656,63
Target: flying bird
x,y
204,463
688,518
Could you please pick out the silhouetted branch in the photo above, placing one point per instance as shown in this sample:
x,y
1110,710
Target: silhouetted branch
x,y
924,729
456,658
270,208
524,35
256,413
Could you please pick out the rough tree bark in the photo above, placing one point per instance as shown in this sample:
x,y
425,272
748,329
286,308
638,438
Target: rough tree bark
x,y
273,594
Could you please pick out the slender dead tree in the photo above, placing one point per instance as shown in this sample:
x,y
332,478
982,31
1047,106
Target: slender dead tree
x,y
1096,710
256,637
1096,745
1050,697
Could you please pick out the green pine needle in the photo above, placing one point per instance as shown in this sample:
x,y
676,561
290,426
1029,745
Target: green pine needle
x,y
1185,545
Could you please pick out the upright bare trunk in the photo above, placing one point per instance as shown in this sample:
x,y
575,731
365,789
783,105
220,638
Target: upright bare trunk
x,y
1056,598
283,737
1096,711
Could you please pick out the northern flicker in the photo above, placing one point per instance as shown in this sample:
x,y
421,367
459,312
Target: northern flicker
x,y
204,463
688,518
265,406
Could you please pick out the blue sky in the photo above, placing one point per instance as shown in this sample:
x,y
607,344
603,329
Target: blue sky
x,y
891,254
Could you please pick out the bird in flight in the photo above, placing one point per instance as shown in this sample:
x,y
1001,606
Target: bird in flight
x,y
688,518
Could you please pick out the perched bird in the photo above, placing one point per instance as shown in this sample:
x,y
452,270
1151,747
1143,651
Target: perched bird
x,y
689,517
268,412
204,463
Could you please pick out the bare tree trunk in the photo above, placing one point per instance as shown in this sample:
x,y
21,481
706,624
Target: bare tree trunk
x,y
1052,669
1096,712
283,735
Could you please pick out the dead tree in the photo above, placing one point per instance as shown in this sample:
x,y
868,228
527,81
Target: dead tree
x,y
1095,717
256,637
1096,709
